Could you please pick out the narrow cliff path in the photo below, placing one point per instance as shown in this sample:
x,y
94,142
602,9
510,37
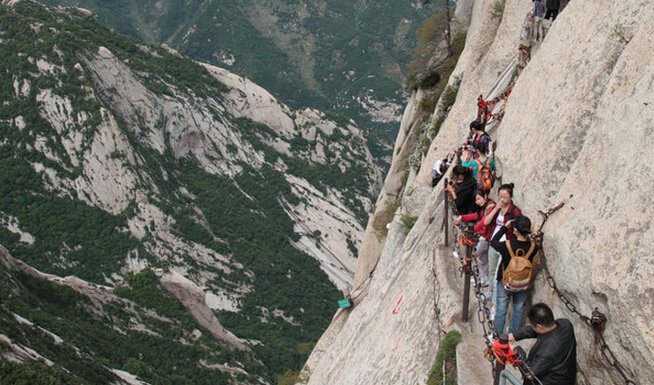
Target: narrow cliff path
x,y
473,364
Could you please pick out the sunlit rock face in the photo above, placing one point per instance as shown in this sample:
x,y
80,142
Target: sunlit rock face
x,y
578,128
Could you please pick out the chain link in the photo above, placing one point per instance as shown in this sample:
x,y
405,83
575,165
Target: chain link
x,y
598,325
610,358
436,299
470,239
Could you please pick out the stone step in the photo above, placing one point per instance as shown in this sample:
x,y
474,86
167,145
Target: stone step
x,y
472,367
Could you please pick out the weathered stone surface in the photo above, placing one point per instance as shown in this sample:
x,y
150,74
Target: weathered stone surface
x,y
202,128
193,298
578,128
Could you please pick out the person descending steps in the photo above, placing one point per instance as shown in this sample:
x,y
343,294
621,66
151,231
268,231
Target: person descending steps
x,y
462,189
478,135
438,170
483,166
553,358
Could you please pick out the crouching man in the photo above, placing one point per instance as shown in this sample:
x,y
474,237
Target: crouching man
x,y
553,358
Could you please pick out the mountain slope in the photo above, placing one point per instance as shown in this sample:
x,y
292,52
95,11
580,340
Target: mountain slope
x,y
70,331
346,56
118,156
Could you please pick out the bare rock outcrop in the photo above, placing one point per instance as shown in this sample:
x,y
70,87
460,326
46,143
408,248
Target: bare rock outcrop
x,y
193,298
98,294
577,129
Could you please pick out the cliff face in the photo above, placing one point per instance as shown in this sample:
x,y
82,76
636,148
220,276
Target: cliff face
x,y
340,55
202,129
577,129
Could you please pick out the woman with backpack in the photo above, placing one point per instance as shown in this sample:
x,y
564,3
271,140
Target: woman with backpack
x,y
483,167
515,271
463,189
503,211
478,135
485,205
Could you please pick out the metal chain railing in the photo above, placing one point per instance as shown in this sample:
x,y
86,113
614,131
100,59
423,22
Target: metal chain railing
x,y
437,296
596,321
466,237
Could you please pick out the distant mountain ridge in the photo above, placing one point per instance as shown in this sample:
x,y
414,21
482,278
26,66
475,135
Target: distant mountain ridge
x,y
341,55
120,158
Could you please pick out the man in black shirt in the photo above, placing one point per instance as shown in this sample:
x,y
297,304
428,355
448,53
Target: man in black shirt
x,y
553,358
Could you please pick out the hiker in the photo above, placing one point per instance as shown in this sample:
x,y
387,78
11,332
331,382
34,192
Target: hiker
x,y
552,9
538,13
484,110
482,167
485,205
527,27
503,211
463,189
438,170
513,288
553,359
524,54
478,135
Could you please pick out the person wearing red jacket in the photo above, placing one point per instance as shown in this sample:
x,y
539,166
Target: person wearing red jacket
x,y
485,205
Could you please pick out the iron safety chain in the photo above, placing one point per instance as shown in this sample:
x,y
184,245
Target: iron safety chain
x,y
596,323
597,320
470,239
436,296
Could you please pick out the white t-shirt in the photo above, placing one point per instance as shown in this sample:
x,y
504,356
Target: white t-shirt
x,y
499,222
437,166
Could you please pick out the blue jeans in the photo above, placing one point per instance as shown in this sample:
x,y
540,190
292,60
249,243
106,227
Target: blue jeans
x,y
506,375
503,299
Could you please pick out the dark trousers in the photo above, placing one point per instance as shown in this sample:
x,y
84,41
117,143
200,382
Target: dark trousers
x,y
551,12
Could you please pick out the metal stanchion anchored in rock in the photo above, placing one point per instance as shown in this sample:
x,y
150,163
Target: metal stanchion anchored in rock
x,y
469,239
466,240
597,320
445,216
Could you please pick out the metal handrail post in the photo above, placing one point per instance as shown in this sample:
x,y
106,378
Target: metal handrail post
x,y
504,341
445,219
466,283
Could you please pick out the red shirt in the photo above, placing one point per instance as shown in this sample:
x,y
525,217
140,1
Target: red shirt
x,y
484,231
